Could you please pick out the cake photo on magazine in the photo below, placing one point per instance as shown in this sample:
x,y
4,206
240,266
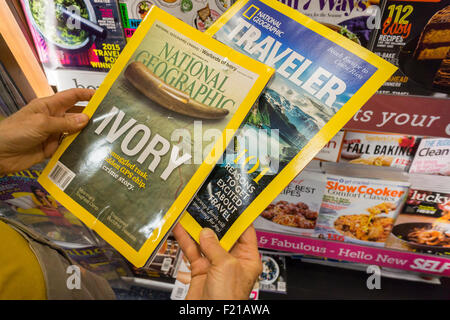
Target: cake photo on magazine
x,y
426,58
434,42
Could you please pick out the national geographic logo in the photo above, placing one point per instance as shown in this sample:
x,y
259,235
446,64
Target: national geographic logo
x,y
250,12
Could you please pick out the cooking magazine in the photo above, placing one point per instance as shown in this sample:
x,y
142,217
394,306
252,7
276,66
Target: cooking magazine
x,y
321,80
414,35
133,170
199,14
75,34
354,19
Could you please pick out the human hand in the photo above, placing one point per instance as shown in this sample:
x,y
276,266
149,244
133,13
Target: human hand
x,y
217,274
32,134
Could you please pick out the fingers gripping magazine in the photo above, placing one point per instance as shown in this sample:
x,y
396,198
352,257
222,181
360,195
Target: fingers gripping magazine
x,y
132,171
321,80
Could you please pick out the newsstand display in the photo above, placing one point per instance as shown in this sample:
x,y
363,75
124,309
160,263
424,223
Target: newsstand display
x,y
356,174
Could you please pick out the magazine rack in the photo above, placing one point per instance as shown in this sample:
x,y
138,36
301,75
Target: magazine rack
x,y
411,115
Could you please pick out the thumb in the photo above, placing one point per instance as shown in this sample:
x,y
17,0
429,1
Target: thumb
x,y
211,248
71,123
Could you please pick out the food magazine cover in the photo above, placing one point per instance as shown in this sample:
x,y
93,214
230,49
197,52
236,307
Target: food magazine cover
x,y
317,88
164,265
296,208
359,210
78,34
199,14
379,149
354,19
423,224
414,36
132,171
77,41
332,150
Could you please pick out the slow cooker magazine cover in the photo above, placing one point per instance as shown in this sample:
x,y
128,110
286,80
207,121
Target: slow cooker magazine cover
x,y
359,210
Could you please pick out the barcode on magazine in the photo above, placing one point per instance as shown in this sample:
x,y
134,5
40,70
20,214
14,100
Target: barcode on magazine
x,y
281,286
167,263
267,287
61,175
179,291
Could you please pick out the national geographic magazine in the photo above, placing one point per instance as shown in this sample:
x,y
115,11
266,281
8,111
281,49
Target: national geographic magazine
x,y
321,80
133,170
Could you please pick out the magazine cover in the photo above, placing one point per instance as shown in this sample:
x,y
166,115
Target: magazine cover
x,y
359,210
199,14
183,280
32,205
296,208
332,150
317,88
273,278
354,19
414,37
432,157
77,34
132,171
103,261
379,149
424,222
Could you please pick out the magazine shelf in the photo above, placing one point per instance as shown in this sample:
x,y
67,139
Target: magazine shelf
x,y
383,257
409,115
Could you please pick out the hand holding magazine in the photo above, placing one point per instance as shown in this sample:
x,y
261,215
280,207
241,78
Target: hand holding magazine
x,y
321,80
132,171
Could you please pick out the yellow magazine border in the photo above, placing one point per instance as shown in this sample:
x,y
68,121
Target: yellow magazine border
x,y
139,258
328,131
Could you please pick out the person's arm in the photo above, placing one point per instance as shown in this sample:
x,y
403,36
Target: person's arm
x,y
32,134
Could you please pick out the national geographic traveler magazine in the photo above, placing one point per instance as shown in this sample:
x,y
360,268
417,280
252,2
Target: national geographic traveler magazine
x,y
322,79
133,170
